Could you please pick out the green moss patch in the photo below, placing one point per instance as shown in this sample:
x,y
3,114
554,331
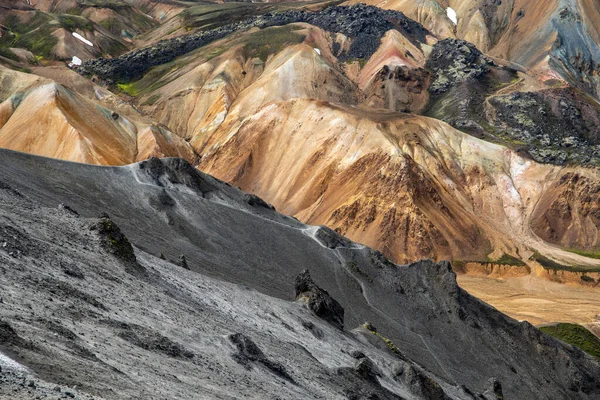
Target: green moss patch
x,y
575,335
589,254
507,259
553,265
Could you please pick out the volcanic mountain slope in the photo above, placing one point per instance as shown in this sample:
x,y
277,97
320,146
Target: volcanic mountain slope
x,y
245,105
557,38
410,186
98,332
45,118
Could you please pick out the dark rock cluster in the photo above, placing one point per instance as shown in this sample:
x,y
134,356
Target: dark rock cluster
x,y
453,61
248,353
554,126
318,300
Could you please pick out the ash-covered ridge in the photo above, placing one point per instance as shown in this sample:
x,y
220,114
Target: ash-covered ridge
x,y
116,326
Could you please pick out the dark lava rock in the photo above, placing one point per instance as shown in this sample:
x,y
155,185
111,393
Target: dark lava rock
x,y
255,201
113,240
318,300
556,126
363,382
494,391
148,339
419,383
182,262
453,61
247,352
331,239
167,172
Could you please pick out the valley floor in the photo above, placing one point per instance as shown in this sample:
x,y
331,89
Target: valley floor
x,y
535,299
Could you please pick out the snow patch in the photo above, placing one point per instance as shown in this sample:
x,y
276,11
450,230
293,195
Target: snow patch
x,y
317,51
76,61
452,15
84,40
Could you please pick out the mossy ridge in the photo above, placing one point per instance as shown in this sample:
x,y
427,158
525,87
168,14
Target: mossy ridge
x,y
368,326
268,41
258,44
553,265
575,335
73,23
507,259
210,16
589,254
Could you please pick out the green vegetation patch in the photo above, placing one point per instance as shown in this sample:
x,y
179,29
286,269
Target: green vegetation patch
x,y
507,259
589,254
575,335
553,265
34,35
73,23
388,342
263,43
129,88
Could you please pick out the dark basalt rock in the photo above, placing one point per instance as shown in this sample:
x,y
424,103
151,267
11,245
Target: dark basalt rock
x,y
556,125
247,352
318,300
331,239
168,172
494,390
113,240
153,341
454,61
255,201
363,382
419,383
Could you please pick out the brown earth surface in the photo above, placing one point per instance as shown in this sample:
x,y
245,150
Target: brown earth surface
x,y
536,299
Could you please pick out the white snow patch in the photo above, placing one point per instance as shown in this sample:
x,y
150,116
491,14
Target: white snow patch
x,y
76,60
452,15
318,51
84,40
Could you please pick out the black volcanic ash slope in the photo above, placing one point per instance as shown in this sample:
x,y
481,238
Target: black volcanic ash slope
x,y
155,309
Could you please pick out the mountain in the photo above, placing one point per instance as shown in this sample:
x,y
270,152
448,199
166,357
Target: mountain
x,y
389,126
46,118
223,314
297,120
551,39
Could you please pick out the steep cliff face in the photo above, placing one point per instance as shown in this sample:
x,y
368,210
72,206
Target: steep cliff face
x,y
569,213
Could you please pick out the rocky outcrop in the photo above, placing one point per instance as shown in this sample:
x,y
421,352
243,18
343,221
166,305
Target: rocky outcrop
x,y
454,61
318,300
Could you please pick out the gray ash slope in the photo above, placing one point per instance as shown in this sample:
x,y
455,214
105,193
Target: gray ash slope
x,y
76,313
